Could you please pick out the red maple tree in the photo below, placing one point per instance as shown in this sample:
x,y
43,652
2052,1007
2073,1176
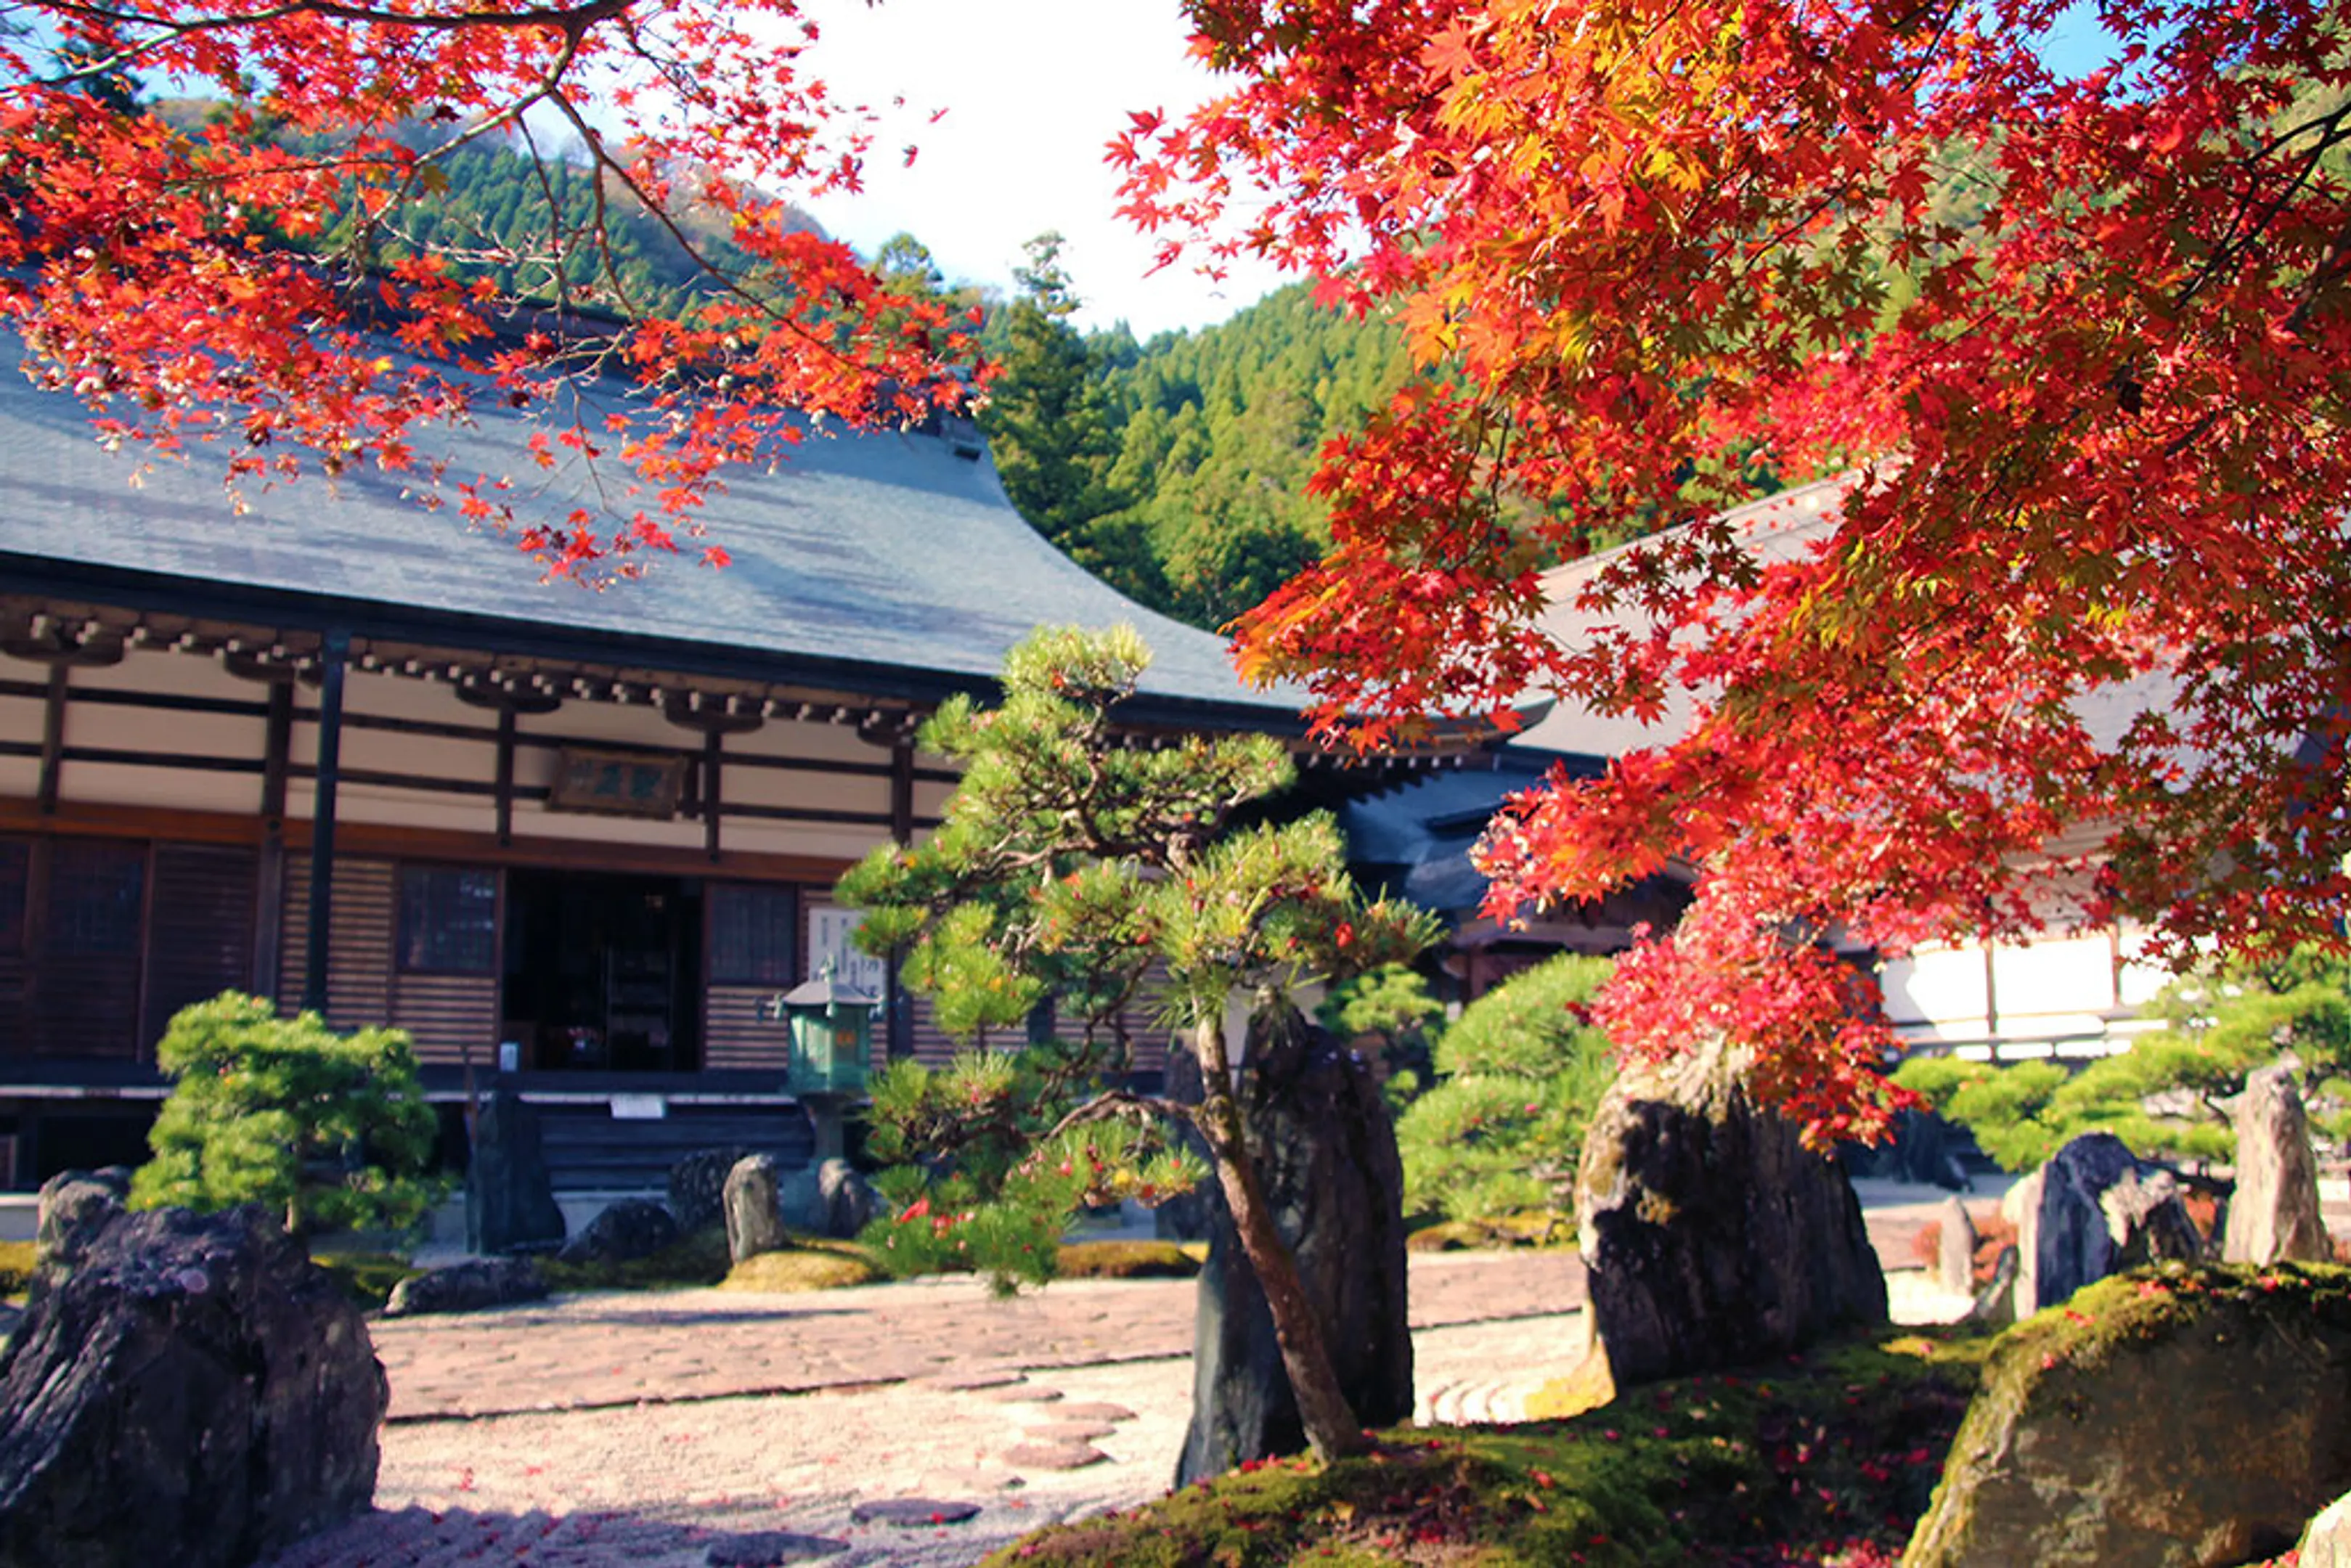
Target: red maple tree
x,y
2077,338
239,278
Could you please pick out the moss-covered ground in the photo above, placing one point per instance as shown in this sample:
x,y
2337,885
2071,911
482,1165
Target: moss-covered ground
x,y
1131,1259
1827,1459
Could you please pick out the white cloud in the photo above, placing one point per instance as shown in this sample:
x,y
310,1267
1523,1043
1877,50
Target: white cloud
x,y
1033,90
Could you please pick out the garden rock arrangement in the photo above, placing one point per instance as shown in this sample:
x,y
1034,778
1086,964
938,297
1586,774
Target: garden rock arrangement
x,y
193,1390
697,1185
2094,1209
2273,1214
509,1196
1326,1152
467,1287
2186,1416
753,1223
831,1199
632,1229
1713,1239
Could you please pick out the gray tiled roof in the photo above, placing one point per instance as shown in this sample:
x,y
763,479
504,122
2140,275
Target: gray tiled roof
x,y
885,550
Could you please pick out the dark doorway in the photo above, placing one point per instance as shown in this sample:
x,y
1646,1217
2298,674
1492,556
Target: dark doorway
x,y
603,972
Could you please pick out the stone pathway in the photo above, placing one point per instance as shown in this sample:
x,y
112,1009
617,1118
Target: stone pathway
x,y
918,1425
590,1351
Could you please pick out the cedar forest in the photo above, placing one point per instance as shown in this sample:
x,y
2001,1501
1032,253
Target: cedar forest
x,y
1643,259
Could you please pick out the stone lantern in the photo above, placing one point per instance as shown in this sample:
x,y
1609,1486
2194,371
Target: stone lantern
x,y
832,1025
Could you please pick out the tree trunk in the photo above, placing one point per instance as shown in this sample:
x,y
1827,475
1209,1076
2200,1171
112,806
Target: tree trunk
x,y
1332,1429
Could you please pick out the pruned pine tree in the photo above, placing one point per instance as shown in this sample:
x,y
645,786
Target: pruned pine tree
x,y
1068,857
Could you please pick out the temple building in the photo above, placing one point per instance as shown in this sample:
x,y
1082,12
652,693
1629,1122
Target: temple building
x,y
340,750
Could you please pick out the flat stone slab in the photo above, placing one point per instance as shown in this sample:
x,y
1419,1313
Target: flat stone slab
x,y
971,1382
1093,1410
767,1548
1066,1456
1069,1431
1021,1393
912,1512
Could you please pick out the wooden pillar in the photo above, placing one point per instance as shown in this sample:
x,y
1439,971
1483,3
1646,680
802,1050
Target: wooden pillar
x,y
898,1009
269,889
332,656
506,783
713,749
53,738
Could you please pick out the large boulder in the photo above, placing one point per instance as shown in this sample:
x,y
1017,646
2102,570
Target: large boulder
x,y
509,1196
2273,1214
1326,1156
697,1185
754,1222
193,1390
473,1286
2183,1415
623,1232
1712,1238
2095,1210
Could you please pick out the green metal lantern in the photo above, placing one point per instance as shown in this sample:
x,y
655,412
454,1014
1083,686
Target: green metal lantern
x,y
832,1025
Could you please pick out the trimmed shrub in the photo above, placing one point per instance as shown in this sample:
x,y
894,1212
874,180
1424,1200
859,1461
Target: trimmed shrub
x,y
332,1130
1500,1132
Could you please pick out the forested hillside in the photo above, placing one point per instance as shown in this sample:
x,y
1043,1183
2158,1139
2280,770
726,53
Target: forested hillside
x,y
1176,469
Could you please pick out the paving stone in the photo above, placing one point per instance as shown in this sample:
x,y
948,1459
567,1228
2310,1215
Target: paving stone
x,y
1093,1410
1069,1431
1021,1393
1054,1456
912,1512
973,1481
972,1382
766,1548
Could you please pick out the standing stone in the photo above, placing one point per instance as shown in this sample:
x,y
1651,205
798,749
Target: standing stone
x,y
624,1231
2273,1214
1955,1251
1326,1154
2021,1207
753,1223
509,1196
2100,1211
1995,1304
194,1390
697,1185
1190,1215
1711,1236
848,1202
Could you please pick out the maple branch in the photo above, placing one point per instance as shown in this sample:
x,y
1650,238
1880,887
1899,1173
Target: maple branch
x,y
573,22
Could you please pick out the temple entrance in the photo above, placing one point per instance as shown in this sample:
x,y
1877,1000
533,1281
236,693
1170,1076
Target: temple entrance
x,y
603,972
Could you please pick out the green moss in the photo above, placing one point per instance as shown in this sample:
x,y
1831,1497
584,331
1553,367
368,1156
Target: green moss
x,y
15,1266
824,1268
1526,1227
366,1277
1833,1450
1126,1260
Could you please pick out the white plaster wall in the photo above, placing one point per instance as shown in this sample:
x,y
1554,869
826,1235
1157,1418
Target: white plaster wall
x,y
2070,976
1939,987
